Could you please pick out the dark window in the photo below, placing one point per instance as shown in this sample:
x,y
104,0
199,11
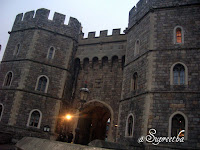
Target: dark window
x,y
137,47
178,35
8,79
178,124
51,51
179,74
123,62
1,111
95,62
134,81
115,61
130,126
85,63
18,48
42,83
104,61
34,120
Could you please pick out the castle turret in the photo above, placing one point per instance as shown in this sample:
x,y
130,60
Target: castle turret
x,y
35,70
159,89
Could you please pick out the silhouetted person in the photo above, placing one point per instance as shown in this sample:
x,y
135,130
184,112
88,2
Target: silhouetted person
x,y
70,137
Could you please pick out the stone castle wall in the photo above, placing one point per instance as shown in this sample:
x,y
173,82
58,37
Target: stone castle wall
x,y
36,35
106,64
103,71
158,99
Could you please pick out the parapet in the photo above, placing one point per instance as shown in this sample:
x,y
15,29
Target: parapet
x,y
103,37
28,21
143,6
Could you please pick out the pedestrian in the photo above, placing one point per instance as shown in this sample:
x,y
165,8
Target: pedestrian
x,y
70,137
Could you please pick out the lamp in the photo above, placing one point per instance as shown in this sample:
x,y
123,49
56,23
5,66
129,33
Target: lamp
x,y
83,96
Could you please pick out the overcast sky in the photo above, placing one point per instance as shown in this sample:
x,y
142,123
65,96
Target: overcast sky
x,y
94,15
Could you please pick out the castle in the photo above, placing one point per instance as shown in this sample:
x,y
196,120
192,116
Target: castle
x,y
147,78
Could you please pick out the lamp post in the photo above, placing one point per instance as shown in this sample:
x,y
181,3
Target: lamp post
x,y
83,98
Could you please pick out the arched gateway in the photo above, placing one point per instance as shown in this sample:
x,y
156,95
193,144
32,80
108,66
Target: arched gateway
x,y
95,120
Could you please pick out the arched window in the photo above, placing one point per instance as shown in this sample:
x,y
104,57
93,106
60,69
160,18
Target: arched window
x,y
178,35
35,117
178,122
1,110
95,61
134,82
129,126
85,63
51,52
17,49
137,47
42,83
179,74
8,79
115,61
104,61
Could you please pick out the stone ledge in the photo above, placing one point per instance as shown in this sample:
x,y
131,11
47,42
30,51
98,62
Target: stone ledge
x,y
32,143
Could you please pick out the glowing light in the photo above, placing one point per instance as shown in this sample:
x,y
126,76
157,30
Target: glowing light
x,y
68,117
116,125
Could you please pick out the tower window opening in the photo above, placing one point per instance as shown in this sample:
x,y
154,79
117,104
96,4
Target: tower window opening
x,y
179,74
51,53
178,35
42,84
8,79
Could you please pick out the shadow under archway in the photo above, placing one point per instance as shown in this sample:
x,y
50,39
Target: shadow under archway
x,y
93,123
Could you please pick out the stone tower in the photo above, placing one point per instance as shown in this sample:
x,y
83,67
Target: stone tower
x,y
147,78
36,74
161,74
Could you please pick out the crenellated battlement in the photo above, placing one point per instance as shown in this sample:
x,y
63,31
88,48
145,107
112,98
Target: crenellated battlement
x,y
103,37
103,33
143,6
41,20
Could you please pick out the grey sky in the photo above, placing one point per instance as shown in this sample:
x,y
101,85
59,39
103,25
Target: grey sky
x,y
94,15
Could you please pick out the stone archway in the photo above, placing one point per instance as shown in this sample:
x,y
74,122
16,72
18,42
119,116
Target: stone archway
x,y
92,122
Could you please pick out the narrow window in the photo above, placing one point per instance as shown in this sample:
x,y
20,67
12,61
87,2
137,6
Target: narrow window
x,y
85,63
42,84
178,124
104,61
34,120
17,49
129,126
115,61
123,62
1,111
179,74
178,35
8,79
134,81
95,61
137,47
51,53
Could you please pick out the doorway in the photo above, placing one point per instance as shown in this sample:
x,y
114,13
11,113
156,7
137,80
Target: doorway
x,y
93,123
